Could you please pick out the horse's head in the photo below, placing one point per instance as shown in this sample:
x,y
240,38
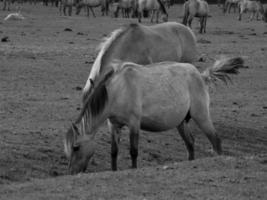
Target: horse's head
x,y
78,149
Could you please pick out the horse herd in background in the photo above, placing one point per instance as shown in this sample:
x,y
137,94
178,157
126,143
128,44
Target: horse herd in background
x,y
144,8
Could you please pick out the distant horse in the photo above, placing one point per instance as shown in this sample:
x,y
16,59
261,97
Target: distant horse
x,y
157,97
66,4
126,6
90,4
255,7
155,6
196,8
229,4
7,4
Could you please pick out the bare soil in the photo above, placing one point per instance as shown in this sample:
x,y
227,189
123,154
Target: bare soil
x,y
44,64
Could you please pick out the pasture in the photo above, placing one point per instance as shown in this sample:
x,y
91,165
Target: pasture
x,y
44,64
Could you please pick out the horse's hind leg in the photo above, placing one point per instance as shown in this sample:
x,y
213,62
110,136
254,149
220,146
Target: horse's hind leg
x,y
92,11
206,125
188,140
115,139
134,139
200,114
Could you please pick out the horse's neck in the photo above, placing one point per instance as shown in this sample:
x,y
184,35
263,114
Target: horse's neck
x,y
96,122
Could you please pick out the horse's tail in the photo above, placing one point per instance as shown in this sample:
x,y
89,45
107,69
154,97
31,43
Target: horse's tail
x,y
221,70
162,7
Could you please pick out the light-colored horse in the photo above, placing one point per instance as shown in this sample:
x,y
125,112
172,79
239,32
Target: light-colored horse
x,y
157,97
229,4
66,4
144,45
196,8
154,6
90,4
255,7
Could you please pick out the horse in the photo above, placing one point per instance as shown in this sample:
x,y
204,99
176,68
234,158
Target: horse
x,y
229,4
196,8
7,4
90,4
66,4
126,6
155,6
255,7
156,97
144,45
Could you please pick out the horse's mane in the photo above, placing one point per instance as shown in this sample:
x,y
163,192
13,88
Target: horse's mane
x,y
162,7
103,48
95,103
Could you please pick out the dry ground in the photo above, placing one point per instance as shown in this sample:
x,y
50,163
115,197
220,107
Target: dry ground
x,y
42,68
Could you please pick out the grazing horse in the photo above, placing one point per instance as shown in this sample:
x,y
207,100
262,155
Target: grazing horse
x,y
255,7
196,8
90,4
157,97
66,4
229,4
155,6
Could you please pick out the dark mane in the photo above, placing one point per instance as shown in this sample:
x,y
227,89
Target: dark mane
x,y
162,7
97,100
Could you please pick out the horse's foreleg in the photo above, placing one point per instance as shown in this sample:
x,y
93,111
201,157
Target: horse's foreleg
x,y
134,138
64,10
139,16
92,10
205,23
70,10
188,140
201,20
115,139
240,16
152,16
157,16
190,21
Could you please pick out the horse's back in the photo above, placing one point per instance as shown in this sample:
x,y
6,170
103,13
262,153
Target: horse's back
x,y
180,35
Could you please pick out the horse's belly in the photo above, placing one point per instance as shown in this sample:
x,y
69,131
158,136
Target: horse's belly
x,y
164,108
162,121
